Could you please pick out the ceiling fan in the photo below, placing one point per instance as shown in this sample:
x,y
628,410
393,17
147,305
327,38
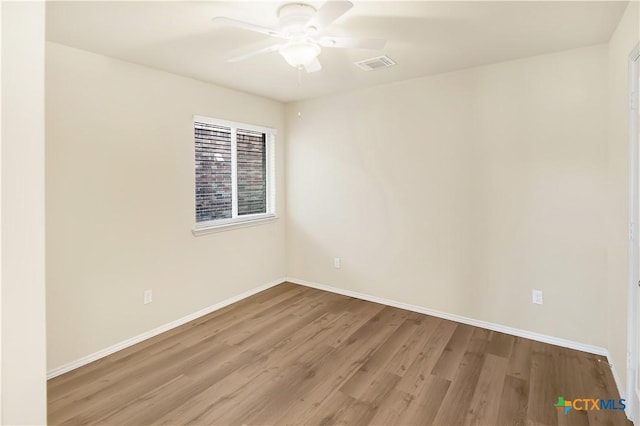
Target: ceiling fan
x,y
301,27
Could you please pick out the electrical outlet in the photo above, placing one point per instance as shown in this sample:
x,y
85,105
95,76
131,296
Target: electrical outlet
x,y
337,263
148,296
536,297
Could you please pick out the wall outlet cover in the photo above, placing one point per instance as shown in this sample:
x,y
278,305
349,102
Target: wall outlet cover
x,y
536,297
148,297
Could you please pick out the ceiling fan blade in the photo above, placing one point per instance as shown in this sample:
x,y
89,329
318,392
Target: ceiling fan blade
x,y
329,12
223,20
350,42
313,66
267,49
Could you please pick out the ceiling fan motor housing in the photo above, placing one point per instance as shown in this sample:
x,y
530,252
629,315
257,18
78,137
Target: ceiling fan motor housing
x,y
293,19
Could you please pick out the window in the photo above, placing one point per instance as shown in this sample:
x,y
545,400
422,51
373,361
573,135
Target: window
x,y
234,174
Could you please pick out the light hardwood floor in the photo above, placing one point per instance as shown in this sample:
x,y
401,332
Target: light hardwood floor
x,y
295,355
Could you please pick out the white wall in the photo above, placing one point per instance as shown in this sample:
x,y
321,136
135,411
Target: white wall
x,y
461,192
622,42
120,202
0,218
23,289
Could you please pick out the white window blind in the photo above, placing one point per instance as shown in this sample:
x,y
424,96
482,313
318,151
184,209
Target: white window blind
x,y
251,153
214,186
234,172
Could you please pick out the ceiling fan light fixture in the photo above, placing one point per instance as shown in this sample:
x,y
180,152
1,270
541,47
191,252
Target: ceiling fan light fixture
x,y
300,53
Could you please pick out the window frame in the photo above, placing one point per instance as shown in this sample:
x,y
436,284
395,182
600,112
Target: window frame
x,y
206,227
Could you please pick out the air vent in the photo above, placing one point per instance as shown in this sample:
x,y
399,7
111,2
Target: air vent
x,y
376,63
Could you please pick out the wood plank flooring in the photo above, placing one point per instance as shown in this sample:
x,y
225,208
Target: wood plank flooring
x,y
296,355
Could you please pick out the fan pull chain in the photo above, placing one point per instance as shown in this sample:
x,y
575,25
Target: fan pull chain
x,y
299,86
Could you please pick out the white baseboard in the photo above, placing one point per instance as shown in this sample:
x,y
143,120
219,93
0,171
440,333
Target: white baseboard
x,y
616,378
158,330
621,389
458,318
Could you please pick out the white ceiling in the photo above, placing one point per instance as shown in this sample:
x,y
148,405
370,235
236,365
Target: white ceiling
x,y
424,38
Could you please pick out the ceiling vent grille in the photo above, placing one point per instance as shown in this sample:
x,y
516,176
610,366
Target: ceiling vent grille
x,y
376,63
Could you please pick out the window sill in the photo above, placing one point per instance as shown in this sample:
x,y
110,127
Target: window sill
x,y
235,224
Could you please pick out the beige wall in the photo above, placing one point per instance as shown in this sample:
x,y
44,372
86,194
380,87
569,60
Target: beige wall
x,y
23,258
461,192
622,42
119,194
